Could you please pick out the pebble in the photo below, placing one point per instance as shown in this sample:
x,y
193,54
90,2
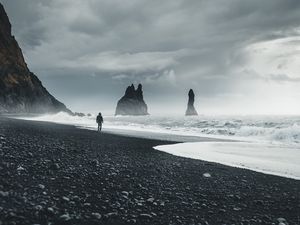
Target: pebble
x,y
111,214
65,198
55,166
145,215
282,221
97,215
20,168
4,193
206,175
259,202
222,210
237,209
150,200
131,221
41,186
38,207
65,217
153,214
50,209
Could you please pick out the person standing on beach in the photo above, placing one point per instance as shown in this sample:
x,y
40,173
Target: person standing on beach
x,y
99,120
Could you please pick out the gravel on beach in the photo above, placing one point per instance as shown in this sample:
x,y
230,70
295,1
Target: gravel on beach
x,y
60,174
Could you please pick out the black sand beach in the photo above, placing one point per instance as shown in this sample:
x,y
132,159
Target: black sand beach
x,y
58,174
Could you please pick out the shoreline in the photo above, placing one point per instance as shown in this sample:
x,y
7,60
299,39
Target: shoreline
x,y
76,176
216,146
211,143
139,133
234,165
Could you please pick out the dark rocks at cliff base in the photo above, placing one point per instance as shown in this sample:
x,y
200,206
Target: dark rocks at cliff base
x,y
132,103
191,111
20,90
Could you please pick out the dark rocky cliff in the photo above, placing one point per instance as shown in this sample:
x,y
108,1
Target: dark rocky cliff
x,y
132,103
20,90
191,111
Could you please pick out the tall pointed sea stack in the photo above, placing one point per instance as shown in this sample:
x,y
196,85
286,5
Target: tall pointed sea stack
x,y
20,90
132,103
191,111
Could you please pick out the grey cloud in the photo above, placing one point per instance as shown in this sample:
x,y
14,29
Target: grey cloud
x,y
282,78
196,43
254,75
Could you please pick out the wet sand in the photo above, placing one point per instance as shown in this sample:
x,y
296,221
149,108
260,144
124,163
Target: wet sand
x,y
59,174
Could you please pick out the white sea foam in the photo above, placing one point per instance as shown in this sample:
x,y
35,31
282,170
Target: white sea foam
x,y
269,159
276,129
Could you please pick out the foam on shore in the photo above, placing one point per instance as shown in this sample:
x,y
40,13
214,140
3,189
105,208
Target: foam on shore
x,y
269,159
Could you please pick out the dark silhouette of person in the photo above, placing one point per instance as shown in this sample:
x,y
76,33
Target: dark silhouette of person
x,y
99,120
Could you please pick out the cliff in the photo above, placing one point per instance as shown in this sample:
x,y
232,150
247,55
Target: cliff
x,y
132,103
20,90
191,111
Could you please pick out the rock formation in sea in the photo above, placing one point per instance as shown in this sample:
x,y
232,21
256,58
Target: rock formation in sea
x,y
191,111
132,103
20,90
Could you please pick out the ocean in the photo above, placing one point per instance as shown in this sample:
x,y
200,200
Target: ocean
x,y
267,129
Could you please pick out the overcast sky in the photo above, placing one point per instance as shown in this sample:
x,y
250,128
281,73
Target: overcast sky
x,y
239,56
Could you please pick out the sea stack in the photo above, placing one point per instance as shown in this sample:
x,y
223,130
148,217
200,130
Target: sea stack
x,y
20,90
191,111
132,103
